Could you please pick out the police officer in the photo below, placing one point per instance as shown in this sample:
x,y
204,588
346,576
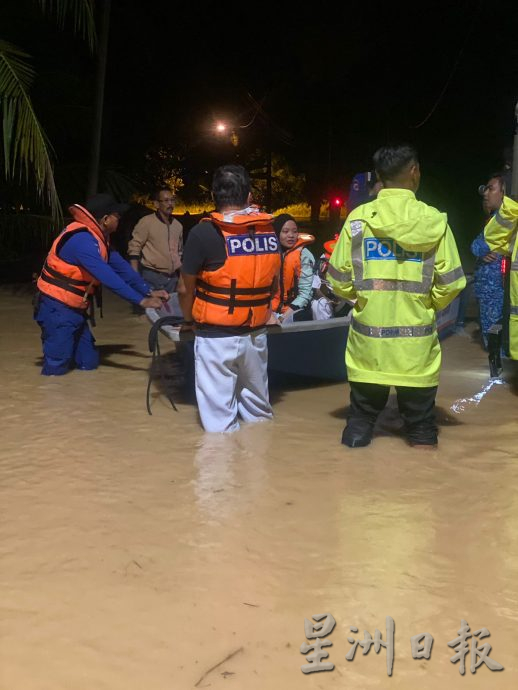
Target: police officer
x,y
500,234
229,274
398,259
487,278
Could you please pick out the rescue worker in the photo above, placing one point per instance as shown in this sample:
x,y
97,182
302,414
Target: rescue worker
x,y
397,257
500,234
229,274
78,262
488,278
293,297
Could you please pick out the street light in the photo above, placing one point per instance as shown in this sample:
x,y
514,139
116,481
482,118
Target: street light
x,y
222,128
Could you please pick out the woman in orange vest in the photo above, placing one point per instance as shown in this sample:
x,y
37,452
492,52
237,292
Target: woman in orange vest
x,y
296,277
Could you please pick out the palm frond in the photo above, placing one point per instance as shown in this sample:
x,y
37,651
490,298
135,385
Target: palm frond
x,y
26,147
22,232
82,13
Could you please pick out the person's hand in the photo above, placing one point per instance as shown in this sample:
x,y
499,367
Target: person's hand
x,y
187,326
273,320
151,303
489,258
161,294
286,314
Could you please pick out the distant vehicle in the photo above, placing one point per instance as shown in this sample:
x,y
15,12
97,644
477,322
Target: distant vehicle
x,y
360,189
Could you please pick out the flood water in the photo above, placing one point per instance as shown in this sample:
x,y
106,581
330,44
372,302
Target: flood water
x,y
138,552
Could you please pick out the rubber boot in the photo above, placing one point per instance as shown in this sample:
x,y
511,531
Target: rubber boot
x,y
495,362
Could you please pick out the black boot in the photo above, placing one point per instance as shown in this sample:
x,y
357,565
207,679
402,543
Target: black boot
x,y
357,433
495,362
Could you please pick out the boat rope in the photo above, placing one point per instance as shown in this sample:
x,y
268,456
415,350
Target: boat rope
x,y
154,348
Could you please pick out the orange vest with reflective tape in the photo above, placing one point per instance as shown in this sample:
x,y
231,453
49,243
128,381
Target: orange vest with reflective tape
x,y
68,283
290,273
239,292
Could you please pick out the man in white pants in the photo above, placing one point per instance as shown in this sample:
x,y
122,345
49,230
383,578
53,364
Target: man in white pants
x,y
230,271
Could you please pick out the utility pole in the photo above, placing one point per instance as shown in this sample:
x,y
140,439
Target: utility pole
x,y
268,166
269,177
93,175
514,183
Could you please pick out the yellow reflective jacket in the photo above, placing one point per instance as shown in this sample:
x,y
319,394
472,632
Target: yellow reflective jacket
x,y
500,234
398,258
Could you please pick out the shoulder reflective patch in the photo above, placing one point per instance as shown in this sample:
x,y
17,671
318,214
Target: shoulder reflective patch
x,y
356,227
388,249
244,245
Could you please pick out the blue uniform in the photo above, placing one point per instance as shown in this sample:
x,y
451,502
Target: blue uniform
x,y
66,336
488,285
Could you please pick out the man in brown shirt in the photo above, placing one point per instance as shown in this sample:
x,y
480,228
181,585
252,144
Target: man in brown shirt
x,y
157,243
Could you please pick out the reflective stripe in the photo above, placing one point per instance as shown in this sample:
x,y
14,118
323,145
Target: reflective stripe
x,y
513,311
356,252
393,331
503,222
411,286
342,276
514,264
428,268
450,276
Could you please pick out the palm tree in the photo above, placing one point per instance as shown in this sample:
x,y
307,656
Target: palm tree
x,y
26,149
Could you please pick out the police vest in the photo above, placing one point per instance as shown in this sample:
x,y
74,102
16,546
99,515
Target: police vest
x,y
68,283
239,292
290,273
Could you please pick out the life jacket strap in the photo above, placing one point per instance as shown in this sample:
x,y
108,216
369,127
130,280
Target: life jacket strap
x,y
229,290
232,303
60,276
62,284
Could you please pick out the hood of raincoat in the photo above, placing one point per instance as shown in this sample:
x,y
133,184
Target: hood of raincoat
x,y
397,214
509,209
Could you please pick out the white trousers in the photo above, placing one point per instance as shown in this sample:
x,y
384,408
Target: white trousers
x,y
232,379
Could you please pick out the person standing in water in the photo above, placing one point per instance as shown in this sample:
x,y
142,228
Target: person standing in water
x,y
79,261
229,274
397,258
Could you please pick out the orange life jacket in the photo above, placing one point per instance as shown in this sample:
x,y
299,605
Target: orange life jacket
x,y
330,245
68,283
290,273
239,292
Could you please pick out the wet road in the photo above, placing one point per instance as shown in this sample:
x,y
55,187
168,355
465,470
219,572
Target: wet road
x,y
139,552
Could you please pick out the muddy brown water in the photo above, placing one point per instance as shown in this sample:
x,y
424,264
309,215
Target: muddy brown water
x,y
139,552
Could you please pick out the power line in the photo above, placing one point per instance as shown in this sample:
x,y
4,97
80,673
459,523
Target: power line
x,y
453,70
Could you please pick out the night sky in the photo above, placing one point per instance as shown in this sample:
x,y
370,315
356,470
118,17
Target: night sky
x,y
334,84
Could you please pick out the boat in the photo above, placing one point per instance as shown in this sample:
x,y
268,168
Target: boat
x,y
312,349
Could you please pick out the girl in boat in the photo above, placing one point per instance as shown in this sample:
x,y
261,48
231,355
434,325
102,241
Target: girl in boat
x,y
293,298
